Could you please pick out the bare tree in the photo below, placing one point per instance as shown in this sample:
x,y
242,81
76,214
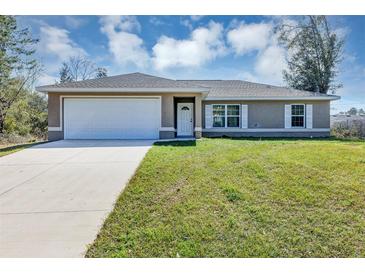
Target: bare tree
x,y
80,68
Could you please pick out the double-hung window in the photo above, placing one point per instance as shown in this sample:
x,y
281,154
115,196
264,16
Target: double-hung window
x,y
226,116
233,115
298,116
219,116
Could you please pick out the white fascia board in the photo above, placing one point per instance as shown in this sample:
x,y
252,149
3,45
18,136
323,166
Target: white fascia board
x,y
163,90
282,98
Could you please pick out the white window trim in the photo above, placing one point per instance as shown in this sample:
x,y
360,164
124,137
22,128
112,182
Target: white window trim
x,y
226,115
304,115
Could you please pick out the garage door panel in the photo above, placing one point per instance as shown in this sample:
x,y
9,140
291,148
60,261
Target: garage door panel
x,y
111,118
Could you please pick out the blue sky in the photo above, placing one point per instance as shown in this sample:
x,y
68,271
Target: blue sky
x,y
190,47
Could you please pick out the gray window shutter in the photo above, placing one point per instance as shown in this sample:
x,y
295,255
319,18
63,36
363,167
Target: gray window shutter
x,y
244,114
287,116
309,116
208,116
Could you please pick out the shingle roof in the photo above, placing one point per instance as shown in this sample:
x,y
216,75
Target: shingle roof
x,y
238,88
216,88
131,80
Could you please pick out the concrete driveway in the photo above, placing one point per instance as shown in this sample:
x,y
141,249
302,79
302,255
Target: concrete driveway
x,y
55,196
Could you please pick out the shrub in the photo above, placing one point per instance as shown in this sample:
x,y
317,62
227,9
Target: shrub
x,y
349,129
12,138
27,117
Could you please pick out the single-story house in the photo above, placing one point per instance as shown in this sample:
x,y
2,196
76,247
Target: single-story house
x,y
141,106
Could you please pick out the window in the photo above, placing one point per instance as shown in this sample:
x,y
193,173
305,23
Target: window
x,y
219,116
233,115
226,115
297,115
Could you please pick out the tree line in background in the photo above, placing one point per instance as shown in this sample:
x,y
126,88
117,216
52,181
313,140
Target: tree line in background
x,y
314,53
353,111
349,124
23,111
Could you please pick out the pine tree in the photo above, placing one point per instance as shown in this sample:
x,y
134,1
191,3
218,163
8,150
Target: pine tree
x,y
101,72
65,74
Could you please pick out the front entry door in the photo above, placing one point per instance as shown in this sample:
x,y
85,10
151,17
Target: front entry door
x,y
185,119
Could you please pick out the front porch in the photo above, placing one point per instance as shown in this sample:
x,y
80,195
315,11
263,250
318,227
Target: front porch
x,y
181,117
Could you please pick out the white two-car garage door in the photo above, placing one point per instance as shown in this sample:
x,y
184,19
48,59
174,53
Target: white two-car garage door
x,y
112,118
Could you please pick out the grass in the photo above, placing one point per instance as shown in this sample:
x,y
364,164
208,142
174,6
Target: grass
x,y
241,198
14,148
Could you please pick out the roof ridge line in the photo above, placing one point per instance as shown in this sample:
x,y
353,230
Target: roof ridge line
x,y
203,80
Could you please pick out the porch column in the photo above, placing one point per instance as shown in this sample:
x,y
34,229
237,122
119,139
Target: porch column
x,y
198,117
167,129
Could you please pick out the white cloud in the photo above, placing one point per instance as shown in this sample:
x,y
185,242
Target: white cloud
x,y
270,64
204,45
186,23
246,38
75,22
156,21
196,17
259,38
126,46
46,79
120,23
56,41
55,46
190,21
248,76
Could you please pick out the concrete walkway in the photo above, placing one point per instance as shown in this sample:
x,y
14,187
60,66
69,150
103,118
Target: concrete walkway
x,y
55,196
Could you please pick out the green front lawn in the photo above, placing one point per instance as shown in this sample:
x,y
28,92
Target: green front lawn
x,y
241,198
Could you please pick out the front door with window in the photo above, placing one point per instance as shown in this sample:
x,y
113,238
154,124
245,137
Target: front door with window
x,y
185,119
